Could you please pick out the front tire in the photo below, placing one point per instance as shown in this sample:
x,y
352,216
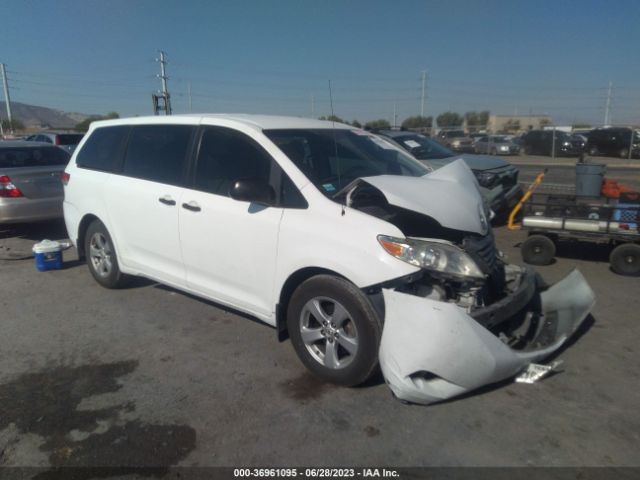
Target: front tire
x,y
101,257
334,330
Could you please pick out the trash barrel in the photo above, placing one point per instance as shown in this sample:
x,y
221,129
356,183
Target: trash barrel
x,y
589,178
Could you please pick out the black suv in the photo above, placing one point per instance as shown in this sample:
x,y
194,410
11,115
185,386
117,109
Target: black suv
x,y
540,142
613,141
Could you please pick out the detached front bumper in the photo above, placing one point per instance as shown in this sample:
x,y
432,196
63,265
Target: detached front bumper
x,y
431,350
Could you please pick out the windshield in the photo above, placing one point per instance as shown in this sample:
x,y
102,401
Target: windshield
x,y
332,159
423,148
69,139
499,139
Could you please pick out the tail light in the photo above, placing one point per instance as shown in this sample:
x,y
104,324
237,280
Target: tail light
x,y
8,189
57,140
65,177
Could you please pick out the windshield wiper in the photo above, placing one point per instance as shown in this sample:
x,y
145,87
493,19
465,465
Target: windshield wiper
x,y
351,185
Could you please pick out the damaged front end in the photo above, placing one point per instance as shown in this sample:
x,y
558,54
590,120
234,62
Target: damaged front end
x,y
433,349
467,318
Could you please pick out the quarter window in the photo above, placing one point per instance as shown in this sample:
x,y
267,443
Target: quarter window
x,y
103,149
158,152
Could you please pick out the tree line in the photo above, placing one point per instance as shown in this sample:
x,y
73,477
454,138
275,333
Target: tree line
x,y
446,119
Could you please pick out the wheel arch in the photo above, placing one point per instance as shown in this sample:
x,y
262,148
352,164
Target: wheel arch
x,y
82,231
289,286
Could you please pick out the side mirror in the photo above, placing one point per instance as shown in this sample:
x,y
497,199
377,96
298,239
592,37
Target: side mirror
x,y
254,191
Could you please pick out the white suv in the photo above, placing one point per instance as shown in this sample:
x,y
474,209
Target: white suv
x,y
337,238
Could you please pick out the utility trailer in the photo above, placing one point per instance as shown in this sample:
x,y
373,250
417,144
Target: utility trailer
x,y
553,216
550,218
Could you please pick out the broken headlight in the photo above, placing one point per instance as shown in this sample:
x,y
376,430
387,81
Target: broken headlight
x,y
487,179
432,255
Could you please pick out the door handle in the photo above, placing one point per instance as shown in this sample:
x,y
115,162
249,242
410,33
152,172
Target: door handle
x,y
192,206
167,200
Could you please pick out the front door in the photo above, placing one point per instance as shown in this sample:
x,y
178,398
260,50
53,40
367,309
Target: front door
x,y
230,247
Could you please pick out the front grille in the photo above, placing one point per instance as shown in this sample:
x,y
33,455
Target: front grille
x,y
482,249
509,179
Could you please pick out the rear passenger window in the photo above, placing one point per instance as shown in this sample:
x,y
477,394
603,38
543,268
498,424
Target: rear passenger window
x,y
158,153
103,149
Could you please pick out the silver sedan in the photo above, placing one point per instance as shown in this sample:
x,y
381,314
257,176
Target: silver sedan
x,y
496,145
30,181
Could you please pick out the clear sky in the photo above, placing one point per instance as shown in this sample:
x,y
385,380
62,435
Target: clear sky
x,y
277,56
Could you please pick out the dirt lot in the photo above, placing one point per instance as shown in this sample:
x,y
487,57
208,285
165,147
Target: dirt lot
x,y
150,376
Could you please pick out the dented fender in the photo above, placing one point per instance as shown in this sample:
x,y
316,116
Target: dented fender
x,y
431,350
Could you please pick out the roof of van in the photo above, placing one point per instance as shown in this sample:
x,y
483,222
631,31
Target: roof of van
x,y
260,122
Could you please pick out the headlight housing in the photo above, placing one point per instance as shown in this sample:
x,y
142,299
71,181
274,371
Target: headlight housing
x,y
486,179
435,256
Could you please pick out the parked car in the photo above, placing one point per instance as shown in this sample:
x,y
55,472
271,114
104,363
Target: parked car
x,y
496,145
456,140
475,137
329,233
541,142
498,179
30,185
64,140
613,141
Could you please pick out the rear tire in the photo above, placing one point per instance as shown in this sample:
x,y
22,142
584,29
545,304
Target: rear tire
x,y
625,259
101,257
593,151
334,330
538,250
624,153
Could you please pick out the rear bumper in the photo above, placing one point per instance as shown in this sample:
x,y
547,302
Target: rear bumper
x,y
18,210
431,351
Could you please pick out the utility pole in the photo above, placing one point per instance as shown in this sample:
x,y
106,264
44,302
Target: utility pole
x,y
395,115
6,96
164,95
313,106
424,84
189,93
607,110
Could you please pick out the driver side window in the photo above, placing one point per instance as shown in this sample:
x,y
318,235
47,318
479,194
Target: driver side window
x,y
226,155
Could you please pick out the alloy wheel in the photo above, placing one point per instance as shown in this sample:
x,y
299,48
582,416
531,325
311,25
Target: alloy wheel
x,y
101,254
328,332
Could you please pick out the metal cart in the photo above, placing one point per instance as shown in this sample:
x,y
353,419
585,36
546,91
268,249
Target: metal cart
x,y
551,217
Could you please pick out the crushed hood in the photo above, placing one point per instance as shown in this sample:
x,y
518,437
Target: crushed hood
x,y
449,195
475,162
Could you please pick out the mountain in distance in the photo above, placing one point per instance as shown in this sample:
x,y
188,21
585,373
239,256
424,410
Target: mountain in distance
x,y
36,117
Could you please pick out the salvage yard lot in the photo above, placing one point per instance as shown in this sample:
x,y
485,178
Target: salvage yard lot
x,y
151,376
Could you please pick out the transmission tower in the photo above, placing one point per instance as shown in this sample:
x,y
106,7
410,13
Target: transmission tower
x,y
162,100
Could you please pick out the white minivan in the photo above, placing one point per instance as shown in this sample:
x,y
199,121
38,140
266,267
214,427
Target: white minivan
x,y
344,243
